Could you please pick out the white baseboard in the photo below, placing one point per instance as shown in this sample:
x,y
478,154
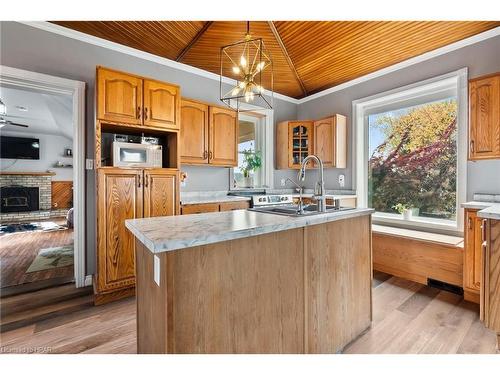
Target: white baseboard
x,y
88,280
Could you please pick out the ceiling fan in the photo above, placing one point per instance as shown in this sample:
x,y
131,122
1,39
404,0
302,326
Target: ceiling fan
x,y
3,121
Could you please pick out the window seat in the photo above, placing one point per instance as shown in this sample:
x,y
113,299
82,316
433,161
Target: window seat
x,y
418,256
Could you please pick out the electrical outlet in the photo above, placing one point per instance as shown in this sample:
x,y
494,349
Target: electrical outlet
x,y
283,182
89,164
341,180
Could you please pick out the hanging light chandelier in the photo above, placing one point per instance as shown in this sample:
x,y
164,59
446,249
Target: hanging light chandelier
x,y
245,62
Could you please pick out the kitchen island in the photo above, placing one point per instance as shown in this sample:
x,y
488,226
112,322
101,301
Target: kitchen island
x,y
250,282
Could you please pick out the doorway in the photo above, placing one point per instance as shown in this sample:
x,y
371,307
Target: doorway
x,y
42,181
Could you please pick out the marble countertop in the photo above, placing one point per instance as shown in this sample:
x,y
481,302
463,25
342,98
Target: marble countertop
x,y
167,233
487,204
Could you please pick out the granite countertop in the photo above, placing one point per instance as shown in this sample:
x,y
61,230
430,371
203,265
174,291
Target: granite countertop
x,y
487,204
167,233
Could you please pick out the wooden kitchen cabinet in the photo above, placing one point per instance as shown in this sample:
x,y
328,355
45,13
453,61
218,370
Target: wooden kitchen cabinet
x,y
484,124
231,206
125,98
119,97
199,208
161,192
119,197
194,132
472,256
490,286
330,141
209,134
127,193
161,104
325,138
223,137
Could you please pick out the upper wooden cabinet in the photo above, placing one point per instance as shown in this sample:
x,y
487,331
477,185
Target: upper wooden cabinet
x,y
484,124
119,97
194,132
161,104
472,255
128,99
330,141
223,137
325,138
208,135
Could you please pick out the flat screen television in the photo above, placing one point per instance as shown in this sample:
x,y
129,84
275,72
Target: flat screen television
x,y
19,148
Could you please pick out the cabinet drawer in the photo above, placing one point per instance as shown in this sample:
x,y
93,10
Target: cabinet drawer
x,y
229,206
199,208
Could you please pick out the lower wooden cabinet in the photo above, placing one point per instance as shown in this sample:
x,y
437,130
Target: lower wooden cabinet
x,y
472,255
188,209
127,194
490,281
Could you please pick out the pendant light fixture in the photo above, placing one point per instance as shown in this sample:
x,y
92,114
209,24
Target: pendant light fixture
x,y
247,62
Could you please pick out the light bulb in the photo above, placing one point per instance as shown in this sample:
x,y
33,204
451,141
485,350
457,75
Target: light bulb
x,y
247,97
242,84
236,70
243,61
260,66
235,91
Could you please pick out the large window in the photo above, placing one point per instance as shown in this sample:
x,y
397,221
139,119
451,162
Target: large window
x,y
410,149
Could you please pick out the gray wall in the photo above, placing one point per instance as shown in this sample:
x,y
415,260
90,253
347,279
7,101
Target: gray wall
x,y
481,58
28,48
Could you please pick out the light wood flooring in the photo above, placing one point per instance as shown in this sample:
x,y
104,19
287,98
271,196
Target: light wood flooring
x,y
18,250
407,318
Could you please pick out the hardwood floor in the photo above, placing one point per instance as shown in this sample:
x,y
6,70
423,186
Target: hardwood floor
x,y
18,250
407,318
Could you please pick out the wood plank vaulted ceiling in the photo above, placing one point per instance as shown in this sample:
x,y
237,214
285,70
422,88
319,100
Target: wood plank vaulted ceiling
x,y
308,56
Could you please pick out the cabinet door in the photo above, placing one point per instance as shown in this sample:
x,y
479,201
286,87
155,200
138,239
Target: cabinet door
x,y
472,251
119,97
161,104
223,135
119,198
161,192
324,141
484,132
194,133
300,142
231,206
491,300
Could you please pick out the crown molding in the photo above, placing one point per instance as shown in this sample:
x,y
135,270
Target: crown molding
x,y
69,33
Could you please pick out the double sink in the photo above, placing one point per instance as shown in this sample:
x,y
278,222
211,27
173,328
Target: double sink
x,y
293,210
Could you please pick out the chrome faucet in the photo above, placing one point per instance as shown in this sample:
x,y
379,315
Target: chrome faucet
x,y
319,190
300,189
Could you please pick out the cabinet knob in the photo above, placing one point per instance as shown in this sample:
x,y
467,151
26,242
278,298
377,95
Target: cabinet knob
x,y
205,154
139,112
145,113
471,147
210,155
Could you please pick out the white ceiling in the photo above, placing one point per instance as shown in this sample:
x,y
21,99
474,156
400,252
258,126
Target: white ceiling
x,y
46,113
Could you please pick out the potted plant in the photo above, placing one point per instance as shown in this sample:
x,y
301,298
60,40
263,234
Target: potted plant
x,y
251,162
404,209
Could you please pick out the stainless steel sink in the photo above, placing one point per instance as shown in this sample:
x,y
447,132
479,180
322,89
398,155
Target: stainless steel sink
x,y
293,210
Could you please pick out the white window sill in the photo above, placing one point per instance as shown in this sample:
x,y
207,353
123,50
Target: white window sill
x,y
418,223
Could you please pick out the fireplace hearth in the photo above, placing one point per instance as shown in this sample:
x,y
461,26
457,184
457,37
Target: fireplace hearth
x,y
19,199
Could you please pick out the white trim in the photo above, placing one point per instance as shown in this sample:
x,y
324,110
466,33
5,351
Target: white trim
x,y
82,37
457,79
88,280
43,82
73,34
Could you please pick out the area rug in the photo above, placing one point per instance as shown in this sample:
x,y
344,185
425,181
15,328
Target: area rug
x,y
42,226
52,257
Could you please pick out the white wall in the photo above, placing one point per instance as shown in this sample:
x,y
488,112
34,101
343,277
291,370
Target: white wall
x,y
51,150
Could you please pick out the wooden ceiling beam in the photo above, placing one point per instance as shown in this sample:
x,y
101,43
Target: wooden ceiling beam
x,y
287,56
194,40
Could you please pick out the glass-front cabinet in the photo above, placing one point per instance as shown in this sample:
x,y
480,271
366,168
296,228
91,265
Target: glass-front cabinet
x,y
300,137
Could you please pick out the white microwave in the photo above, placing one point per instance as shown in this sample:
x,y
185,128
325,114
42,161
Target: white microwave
x,y
137,155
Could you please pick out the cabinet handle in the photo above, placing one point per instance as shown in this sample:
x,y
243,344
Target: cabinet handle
x,y
139,181
471,147
145,113
209,155
146,179
469,221
139,112
205,154
483,230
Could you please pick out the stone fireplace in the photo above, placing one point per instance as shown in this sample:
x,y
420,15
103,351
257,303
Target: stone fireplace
x,y
25,196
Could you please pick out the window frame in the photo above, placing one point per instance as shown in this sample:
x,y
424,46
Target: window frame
x,y
264,138
361,108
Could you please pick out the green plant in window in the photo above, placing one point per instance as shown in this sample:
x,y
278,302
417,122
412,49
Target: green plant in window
x,y
401,207
251,162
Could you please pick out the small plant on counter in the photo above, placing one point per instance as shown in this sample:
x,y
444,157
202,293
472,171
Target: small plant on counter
x,y
404,209
252,161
